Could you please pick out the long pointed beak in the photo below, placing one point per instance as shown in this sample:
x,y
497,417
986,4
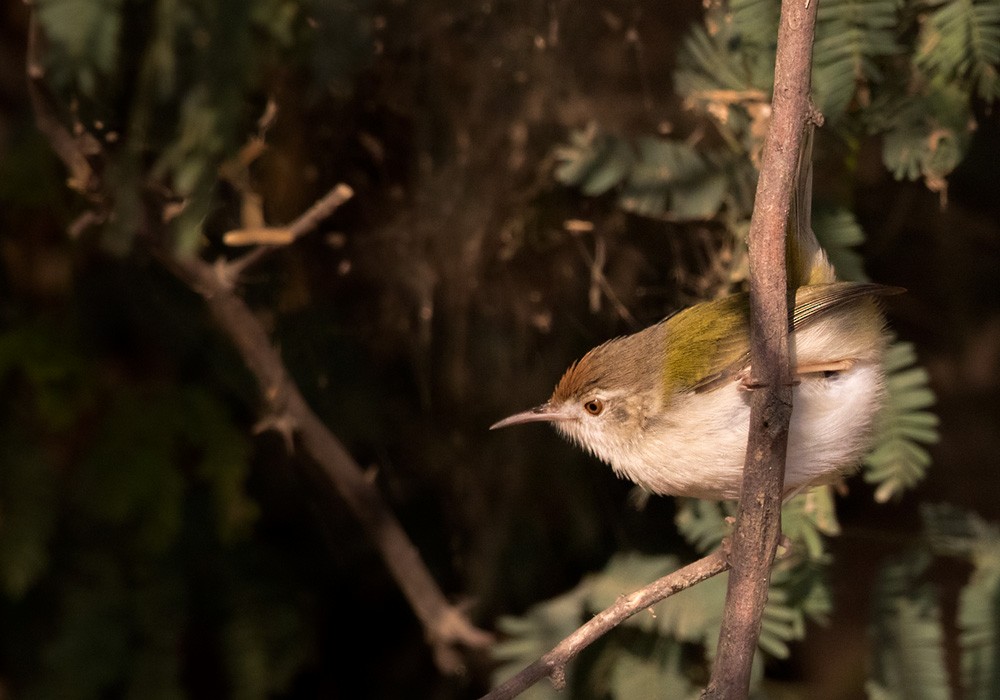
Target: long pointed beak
x,y
539,414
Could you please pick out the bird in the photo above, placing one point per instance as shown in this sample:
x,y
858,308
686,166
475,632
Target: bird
x,y
668,407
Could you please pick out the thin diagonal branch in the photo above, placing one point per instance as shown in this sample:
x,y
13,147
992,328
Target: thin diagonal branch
x,y
553,664
758,523
446,627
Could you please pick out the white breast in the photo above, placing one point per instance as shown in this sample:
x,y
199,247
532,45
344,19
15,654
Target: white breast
x,y
701,450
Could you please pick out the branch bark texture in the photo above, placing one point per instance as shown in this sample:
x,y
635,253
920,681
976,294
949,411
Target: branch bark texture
x,y
758,524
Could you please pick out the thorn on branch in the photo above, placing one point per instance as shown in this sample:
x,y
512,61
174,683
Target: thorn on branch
x,y
454,634
75,151
814,116
84,221
224,274
281,423
558,675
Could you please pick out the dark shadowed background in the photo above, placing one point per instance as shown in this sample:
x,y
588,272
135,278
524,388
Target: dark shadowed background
x,y
152,545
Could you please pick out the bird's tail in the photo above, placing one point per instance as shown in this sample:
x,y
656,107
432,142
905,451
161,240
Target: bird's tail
x,y
805,259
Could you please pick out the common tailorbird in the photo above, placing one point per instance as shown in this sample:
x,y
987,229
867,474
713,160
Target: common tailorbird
x,y
668,407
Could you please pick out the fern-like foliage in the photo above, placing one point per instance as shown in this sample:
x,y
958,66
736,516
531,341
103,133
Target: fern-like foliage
x,y
644,655
593,161
900,458
799,592
908,628
955,533
703,523
840,233
656,177
960,41
879,66
671,175
907,659
708,63
925,135
852,38
869,77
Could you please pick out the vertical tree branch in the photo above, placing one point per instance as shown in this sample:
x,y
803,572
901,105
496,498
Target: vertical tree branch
x,y
758,521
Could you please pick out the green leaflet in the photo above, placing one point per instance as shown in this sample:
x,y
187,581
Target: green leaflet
x,y
907,658
838,232
853,38
908,625
644,654
900,458
960,41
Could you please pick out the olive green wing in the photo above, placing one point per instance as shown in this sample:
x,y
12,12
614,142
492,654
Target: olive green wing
x,y
713,344
704,341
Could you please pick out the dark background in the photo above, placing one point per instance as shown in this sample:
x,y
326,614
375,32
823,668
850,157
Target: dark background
x,y
444,296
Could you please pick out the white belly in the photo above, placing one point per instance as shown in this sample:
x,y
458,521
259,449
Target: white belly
x,y
701,450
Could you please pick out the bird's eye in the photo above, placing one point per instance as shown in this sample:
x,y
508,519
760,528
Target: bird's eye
x,y
594,407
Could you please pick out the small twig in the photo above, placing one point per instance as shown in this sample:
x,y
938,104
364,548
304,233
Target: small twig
x,y
599,282
74,151
324,206
759,516
553,664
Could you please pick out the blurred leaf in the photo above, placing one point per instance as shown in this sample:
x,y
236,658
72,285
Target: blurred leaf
x,y
960,41
851,36
809,516
47,385
979,625
957,533
652,668
665,177
59,380
907,655
129,477
535,633
688,616
28,509
838,232
225,452
703,523
90,649
670,175
594,162
85,34
132,476
925,134
734,57
691,616
899,459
